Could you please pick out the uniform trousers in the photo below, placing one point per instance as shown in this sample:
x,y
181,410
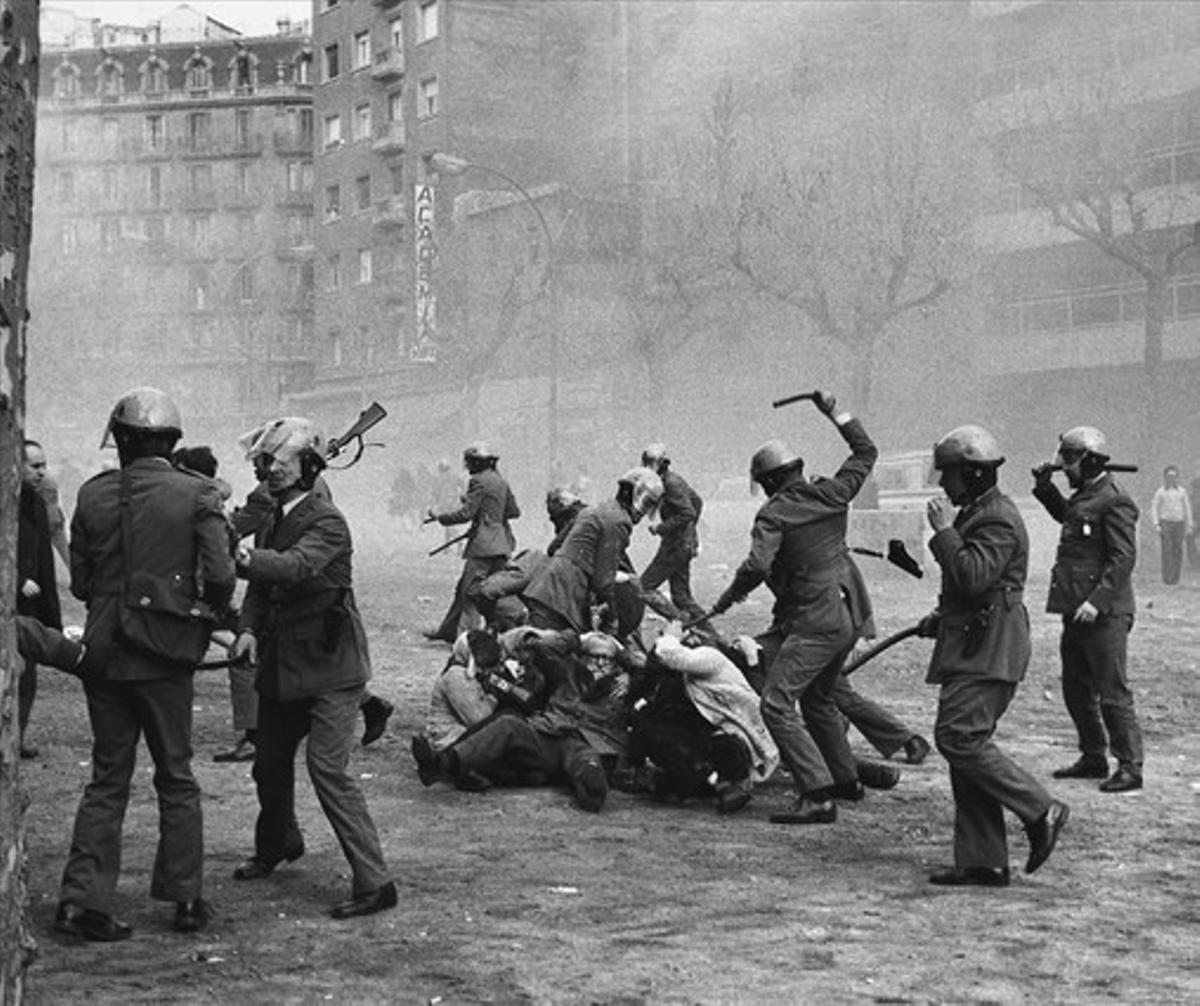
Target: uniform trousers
x,y
984,779
120,713
328,721
476,569
1096,690
885,733
799,708
672,565
243,697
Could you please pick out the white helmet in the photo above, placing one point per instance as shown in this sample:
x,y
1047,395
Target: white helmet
x,y
647,488
284,438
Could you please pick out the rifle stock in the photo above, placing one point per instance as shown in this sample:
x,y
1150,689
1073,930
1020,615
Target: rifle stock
x,y
368,418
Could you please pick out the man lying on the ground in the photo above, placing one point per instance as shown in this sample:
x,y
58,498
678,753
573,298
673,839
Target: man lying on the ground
x,y
575,741
697,730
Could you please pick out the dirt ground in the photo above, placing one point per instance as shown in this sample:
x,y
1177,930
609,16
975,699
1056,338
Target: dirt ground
x,y
516,896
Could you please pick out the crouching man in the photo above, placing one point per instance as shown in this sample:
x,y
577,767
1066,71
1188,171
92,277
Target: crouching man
x,y
300,625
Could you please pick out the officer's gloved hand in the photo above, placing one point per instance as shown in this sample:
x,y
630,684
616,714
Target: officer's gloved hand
x,y
826,403
927,628
1042,473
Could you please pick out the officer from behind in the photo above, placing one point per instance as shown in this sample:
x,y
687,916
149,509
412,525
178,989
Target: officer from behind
x,y
160,530
488,506
300,625
798,548
1091,588
982,652
675,527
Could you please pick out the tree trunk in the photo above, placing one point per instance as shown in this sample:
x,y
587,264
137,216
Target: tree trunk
x,y
18,97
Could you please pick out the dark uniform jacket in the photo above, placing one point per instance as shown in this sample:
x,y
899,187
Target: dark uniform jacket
x,y
35,559
179,538
983,628
584,568
300,605
798,546
1097,547
678,512
489,505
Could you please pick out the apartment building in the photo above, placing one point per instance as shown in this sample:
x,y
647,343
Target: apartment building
x,y
1115,88
173,240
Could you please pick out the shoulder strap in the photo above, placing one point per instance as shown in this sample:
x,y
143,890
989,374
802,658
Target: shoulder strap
x,y
126,494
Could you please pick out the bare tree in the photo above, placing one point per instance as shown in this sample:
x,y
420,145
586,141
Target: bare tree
x,y
1082,148
854,227
18,97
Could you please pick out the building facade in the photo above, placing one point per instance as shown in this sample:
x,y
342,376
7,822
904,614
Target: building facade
x,y
174,240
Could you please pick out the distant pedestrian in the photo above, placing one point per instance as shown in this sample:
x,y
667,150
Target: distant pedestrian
x,y
1171,511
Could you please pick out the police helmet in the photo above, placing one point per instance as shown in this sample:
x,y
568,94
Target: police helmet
x,y
1080,441
773,456
654,455
146,409
967,445
646,488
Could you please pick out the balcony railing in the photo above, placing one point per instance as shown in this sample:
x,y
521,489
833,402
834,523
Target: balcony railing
x,y
389,138
388,64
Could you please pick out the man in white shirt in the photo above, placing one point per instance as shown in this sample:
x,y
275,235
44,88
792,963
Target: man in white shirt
x,y
1172,513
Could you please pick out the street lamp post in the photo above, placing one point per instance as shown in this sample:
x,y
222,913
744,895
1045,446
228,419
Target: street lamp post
x,y
448,164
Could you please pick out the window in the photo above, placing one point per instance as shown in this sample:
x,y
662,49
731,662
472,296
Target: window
x,y
202,333
334,267
108,184
66,186
66,83
427,107
332,69
155,79
395,106
242,122
199,129
155,132
198,75
111,83
245,281
396,34
154,188
68,237
362,50
1187,299
303,69
335,347
333,202
304,127
333,131
110,235
364,265
241,179
68,136
427,22
245,227
200,232
1095,309
396,171
362,193
362,122
156,229
108,134
299,176
200,181
1045,316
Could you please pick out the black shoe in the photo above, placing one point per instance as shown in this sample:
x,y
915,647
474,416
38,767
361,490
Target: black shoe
x,y
877,774
243,750
378,900
89,924
472,782
916,749
1123,780
1043,834
971,876
375,713
1084,768
852,791
436,637
430,765
28,751
590,787
255,868
192,916
733,796
808,811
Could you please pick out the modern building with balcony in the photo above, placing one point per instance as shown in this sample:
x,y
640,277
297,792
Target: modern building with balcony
x,y
173,238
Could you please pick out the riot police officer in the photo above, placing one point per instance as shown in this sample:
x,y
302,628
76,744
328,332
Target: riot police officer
x,y
1091,588
982,652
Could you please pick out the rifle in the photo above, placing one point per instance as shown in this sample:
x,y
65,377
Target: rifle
x,y
368,418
